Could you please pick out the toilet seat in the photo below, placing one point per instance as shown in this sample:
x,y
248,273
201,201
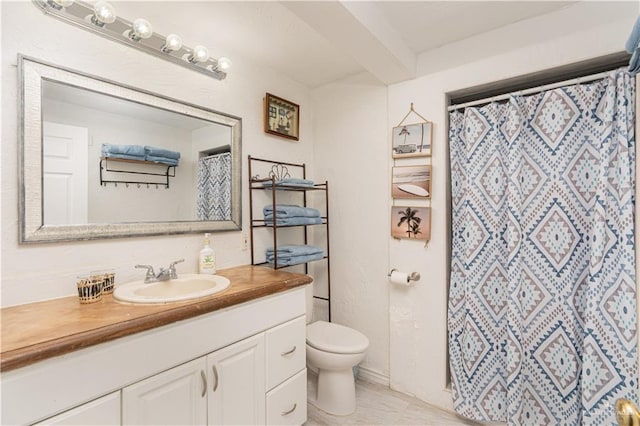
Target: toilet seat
x,y
336,338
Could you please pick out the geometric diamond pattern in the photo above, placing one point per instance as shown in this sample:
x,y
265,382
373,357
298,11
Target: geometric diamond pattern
x,y
555,236
618,306
493,179
558,358
493,291
475,346
582,174
599,374
555,116
542,314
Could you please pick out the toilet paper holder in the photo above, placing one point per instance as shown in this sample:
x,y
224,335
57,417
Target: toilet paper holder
x,y
414,276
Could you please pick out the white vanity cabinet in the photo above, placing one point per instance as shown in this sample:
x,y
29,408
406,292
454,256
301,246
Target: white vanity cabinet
x,y
237,384
232,366
102,411
173,397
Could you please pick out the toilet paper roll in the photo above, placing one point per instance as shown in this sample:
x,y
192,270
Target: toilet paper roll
x,y
400,278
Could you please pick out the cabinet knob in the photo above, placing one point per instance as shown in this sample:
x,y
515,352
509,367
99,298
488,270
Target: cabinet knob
x,y
286,413
289,352
204,383
215,378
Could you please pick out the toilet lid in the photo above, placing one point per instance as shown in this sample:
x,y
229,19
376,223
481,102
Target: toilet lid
x,y
336,338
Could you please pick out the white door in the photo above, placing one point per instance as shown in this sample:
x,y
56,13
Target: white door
x,y
102,411
173,397
237,388
65,174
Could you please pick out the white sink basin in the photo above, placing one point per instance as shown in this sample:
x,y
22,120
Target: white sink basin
x,y
185,287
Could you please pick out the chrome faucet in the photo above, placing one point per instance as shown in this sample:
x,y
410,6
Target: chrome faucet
x,y
164,275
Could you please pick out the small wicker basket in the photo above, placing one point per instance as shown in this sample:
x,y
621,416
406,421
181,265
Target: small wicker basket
x,y
108,277
89,288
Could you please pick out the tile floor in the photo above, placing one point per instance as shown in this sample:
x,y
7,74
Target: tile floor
x,y
379,405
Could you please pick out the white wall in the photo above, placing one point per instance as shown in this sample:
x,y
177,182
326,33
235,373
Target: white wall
x,y
352,152
353,146
43,271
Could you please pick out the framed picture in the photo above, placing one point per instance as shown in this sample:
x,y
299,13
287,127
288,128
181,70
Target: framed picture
x,y
412,140
411,222
411,182
281,117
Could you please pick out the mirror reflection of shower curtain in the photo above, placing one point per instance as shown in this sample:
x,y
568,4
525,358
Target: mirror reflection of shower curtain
x,y
214,187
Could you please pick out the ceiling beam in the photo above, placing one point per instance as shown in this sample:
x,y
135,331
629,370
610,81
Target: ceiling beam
x,y
360,29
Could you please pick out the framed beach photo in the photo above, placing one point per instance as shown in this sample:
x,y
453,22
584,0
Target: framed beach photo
x,y
281,117
412,140
411,182
411,222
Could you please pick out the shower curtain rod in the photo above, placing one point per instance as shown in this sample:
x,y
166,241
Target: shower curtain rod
x,y
530,91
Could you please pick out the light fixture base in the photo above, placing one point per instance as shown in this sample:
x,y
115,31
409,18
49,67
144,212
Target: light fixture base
x,y
77,13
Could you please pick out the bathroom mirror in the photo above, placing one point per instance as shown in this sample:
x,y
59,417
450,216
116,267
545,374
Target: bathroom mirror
x,y
72,187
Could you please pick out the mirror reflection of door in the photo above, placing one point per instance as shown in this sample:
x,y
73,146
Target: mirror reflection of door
x,y
65,171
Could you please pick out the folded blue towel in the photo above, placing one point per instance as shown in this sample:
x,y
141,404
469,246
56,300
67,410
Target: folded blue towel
x,y
293,221
124,156
288,251
153,151
163,160
302,183
296,260
288,210
134,150
633,42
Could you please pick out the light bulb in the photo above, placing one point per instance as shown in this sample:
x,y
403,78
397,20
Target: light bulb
x,y
59,4
199,54
104,13
224,64
141,28
172,42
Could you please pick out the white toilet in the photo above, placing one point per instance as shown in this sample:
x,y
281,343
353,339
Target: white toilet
x,y
333,350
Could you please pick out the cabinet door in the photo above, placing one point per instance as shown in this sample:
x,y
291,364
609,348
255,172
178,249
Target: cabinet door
x,y
237,387
102,411
173,397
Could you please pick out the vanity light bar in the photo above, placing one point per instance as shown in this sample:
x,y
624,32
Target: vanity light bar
x,y
83,15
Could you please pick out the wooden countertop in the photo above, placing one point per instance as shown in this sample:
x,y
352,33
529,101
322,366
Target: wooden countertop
x,y
42,330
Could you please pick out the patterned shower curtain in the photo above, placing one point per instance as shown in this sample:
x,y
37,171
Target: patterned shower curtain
x,y
542,304
214,187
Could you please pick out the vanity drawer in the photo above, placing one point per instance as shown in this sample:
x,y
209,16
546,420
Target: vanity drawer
x,y
285,350
287,403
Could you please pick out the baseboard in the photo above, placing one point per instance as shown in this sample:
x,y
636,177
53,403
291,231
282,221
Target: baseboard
x,y
372,376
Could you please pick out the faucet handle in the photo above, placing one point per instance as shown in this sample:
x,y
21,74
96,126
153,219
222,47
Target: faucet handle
x,y
150,274
172,269
173,264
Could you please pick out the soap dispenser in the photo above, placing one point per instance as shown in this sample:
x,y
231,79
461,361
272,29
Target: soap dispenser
x,y
207,264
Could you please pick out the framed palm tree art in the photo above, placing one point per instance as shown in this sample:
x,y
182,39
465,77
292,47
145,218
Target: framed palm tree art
x,y
412,140
411,222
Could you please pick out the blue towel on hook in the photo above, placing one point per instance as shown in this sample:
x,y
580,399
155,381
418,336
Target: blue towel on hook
x,y
288,210
135,152
293,221
152,151
633,46
163,160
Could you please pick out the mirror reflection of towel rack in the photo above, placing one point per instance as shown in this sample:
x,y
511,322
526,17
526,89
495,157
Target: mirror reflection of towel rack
x,y
168,171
